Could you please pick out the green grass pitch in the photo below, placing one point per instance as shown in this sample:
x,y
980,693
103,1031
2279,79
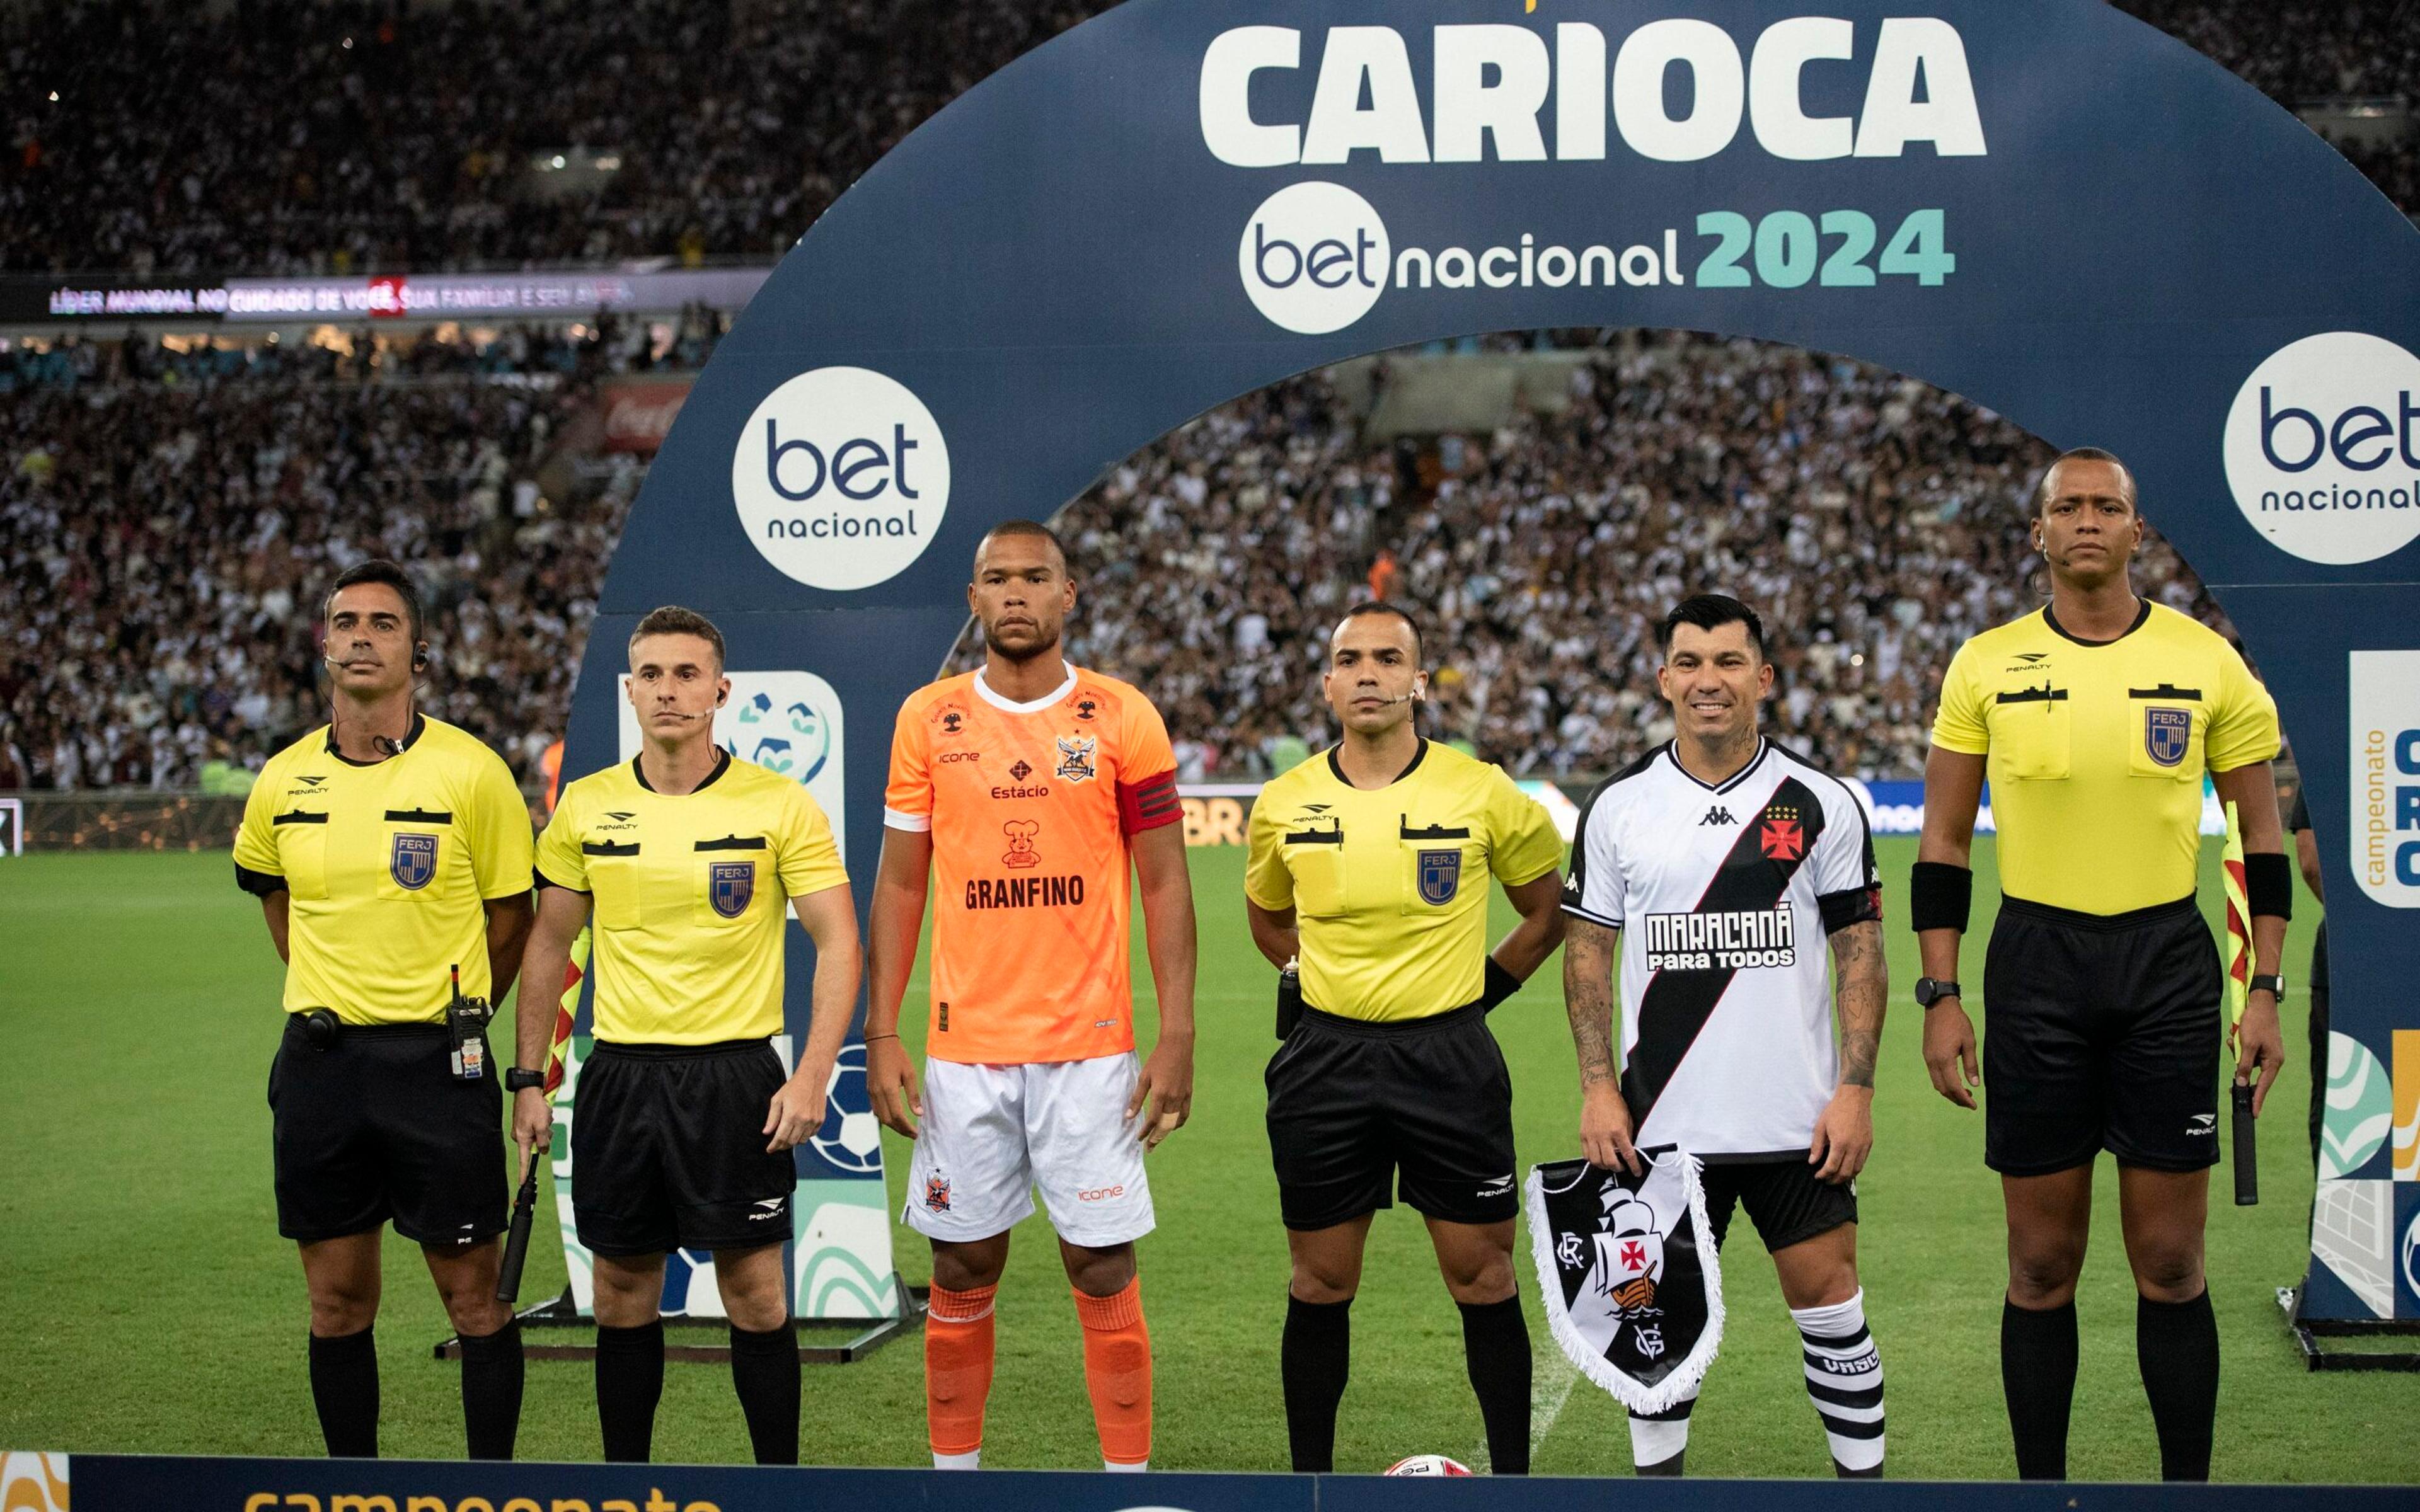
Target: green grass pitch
x,y
151,1307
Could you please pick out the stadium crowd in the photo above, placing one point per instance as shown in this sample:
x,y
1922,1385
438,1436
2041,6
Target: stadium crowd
x,y
1875,522
424,137
160,544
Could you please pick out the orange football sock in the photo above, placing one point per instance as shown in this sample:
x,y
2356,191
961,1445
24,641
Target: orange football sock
x,y
957,1368
1117,1372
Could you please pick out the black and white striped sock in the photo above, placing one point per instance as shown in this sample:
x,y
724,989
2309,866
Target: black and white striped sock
x,y
1844,1375
1657,1443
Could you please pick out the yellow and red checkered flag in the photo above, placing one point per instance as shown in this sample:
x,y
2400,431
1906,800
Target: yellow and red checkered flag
x,y
2238,922
576,968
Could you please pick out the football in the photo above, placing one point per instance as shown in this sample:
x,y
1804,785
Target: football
x,y
1428,1465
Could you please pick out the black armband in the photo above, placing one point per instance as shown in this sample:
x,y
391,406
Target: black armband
x,y
258,884
1501,985
1939,896
2268,884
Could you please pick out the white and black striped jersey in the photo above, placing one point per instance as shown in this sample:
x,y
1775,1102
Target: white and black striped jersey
x,y
1725,897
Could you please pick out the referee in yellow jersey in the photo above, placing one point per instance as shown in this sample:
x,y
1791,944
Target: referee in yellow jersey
x,y
690,861
387,850
2095,718
1369,867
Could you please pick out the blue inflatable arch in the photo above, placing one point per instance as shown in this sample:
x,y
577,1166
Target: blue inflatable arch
x,y
2052,209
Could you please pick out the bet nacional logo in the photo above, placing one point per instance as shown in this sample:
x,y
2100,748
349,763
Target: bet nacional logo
x,y
1314,257
841,478
2322,448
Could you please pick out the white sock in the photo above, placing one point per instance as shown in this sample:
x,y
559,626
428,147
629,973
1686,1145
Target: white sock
x,y
1844,1377
971,1459
1136,1467
1655,1440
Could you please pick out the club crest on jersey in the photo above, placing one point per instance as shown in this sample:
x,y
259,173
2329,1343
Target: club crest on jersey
x,y
413,861
937,1192
2167,733
1076,757
729,885
1440,875
1780,837
951,721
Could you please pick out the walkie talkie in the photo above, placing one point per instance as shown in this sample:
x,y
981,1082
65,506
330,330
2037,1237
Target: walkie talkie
x,y
466,1019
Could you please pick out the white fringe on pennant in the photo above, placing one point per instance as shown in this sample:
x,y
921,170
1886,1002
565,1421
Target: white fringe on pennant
x,y
1683,1379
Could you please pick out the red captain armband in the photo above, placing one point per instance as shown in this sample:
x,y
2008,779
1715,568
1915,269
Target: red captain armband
x,y
1148,804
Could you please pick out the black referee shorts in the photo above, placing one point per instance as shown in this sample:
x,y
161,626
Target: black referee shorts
x,y
2101,1032
1352,1102
668,1149
376,1127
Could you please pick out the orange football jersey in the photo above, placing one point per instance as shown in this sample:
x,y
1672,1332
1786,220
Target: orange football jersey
x,y
1030,807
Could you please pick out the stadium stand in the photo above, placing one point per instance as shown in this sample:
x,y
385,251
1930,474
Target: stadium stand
x,y
164,503
485,133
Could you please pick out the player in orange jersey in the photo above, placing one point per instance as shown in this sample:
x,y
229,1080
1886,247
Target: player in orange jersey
x,y
1027,786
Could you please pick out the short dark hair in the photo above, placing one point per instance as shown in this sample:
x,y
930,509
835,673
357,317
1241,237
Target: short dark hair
x,y
1026,527
673,619
1378,606
2084,454
1706,611
379,570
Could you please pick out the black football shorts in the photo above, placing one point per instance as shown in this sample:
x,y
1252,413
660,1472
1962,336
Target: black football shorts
x,y
377,1127
2101,1032
1424,1106
668,1149
1782,1198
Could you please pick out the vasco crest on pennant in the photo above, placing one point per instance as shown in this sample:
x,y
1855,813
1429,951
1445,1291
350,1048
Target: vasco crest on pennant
x,y
1075,754
2168,734
729,885
413,861
1633,1293
1440,875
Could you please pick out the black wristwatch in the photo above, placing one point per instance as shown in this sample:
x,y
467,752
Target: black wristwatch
x,y
2274,985
517,1080
1930,990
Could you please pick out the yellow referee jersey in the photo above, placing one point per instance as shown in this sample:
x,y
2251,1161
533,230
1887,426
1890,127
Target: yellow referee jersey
x,y
1390,885
2097,749
386,868
691,892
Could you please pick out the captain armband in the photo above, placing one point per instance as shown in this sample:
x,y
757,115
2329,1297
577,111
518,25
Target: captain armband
x,y
1939,896
2268,884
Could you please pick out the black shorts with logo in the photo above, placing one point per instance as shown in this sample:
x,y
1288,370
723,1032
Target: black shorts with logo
x,y
377,1127
668,1149
1352,1102
2101,1032
1782,1198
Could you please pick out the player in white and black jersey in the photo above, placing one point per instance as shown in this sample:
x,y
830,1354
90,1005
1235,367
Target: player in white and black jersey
x,y
1721,865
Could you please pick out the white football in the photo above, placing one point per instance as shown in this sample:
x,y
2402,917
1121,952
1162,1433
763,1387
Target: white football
x,y
1428,1465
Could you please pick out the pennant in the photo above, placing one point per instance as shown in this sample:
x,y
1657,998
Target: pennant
x,y
1633,1289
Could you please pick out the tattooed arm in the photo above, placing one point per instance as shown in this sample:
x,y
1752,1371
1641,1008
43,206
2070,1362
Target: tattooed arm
x,y
1588,998
1844,1136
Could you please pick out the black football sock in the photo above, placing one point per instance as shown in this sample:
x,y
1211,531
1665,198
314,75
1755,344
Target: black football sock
x,y
630,1383
1315,1357
491,1391
2176,1343
345,1389
765,1371
1844,1380
1496,1345
2038,1374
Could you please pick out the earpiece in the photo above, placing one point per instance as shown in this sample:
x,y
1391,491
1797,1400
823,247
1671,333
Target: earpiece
x,y
420,656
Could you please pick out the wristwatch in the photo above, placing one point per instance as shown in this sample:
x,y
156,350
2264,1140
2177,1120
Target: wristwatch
x,y
517,1080
1930,990
2274,985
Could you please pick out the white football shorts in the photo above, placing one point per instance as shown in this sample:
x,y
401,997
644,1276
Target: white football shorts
x,y
990,1135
